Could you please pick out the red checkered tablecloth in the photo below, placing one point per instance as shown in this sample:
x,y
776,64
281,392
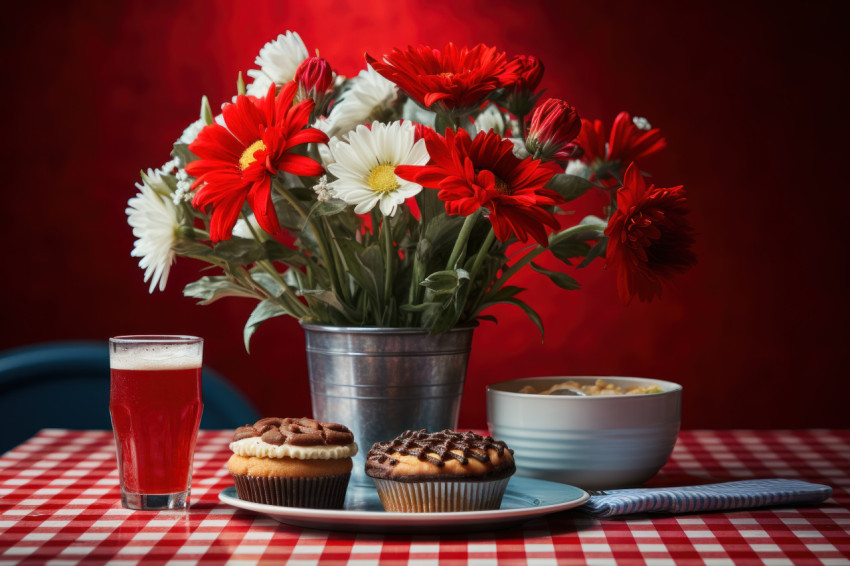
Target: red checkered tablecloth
x,y
59,504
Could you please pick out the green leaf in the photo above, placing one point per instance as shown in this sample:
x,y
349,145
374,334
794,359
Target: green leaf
x,y
327,208
275,251
566,249
268,282
570,187
294,278
240,251
502,294
430,205
206,111
488,318
562,280
436,244
532,314
240,85
598,250
181,152
445,319
442,282
423,307
595,223
401,224
373,267
265,310
365,265
328,298
212,288
196,250
351,251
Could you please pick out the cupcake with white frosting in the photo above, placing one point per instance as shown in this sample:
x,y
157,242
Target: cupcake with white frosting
x,y
292,462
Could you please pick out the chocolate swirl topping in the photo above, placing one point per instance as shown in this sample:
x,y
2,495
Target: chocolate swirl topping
x,y
437,447
296,432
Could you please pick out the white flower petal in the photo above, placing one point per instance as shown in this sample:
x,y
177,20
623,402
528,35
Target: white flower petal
x,y
366,206
368,95
278,60
355,159
153,217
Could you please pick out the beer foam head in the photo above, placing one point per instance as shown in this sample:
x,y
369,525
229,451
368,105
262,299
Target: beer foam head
x,y
155,355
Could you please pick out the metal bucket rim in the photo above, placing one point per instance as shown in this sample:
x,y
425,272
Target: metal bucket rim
x,y
380,329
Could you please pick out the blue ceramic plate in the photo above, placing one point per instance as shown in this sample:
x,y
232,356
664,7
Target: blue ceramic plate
x,y
524,499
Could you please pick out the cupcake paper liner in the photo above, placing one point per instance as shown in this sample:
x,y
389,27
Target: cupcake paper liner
x,y
440,496
325,492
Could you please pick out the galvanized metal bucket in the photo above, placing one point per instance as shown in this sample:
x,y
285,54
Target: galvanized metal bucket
x,y
382,381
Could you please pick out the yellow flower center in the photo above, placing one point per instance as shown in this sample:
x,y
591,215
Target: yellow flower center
x,y
382,179
248,155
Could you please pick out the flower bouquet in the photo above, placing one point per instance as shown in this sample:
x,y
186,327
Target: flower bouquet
x,y
406,196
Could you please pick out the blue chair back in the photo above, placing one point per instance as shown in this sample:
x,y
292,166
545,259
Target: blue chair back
x,y
66,385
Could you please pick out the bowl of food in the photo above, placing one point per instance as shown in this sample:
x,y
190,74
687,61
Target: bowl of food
x,y
590,432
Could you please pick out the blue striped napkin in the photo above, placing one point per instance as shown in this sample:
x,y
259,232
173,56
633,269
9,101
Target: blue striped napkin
x,y
711,497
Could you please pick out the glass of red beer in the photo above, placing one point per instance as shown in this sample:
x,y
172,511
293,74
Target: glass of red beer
x,y
155,403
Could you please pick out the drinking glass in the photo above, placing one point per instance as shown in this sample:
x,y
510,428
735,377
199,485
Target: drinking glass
x,y
155,403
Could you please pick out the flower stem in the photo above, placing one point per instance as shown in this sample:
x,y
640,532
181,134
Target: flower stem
x,y
482,253
479,260
522,128
536,251
287,290
268,266
388,260
327,258
334,250
462,238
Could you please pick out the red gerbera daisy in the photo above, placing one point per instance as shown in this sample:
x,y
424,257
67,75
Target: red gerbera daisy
x,y
453,81
471,173
649,237
237,162
554,126
630,140
528,72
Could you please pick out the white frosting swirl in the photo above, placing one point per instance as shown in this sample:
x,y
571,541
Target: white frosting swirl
x,y
255,447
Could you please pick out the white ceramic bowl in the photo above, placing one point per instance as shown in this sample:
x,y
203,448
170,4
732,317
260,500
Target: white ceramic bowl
x,y
592,442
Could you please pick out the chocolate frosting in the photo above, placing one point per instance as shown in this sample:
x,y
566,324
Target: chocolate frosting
x,y
296,432
436,448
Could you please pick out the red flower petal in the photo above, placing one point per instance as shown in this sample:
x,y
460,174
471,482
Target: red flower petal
x,y
649,237
484,172
225,181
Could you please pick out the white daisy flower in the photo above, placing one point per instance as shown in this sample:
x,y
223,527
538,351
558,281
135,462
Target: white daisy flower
x,y
576,167
190,134
258,88
490,119
278,60
326,126
368,96
641,123
154,220
520,152
242,230
365,166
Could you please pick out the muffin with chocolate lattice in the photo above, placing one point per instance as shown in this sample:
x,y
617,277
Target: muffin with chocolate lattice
x,y
422,472
292,462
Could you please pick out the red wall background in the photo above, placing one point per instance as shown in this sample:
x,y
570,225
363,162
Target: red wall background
x,y
749,95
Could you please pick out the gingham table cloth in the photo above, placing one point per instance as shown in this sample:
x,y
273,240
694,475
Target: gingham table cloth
x,y
59,504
